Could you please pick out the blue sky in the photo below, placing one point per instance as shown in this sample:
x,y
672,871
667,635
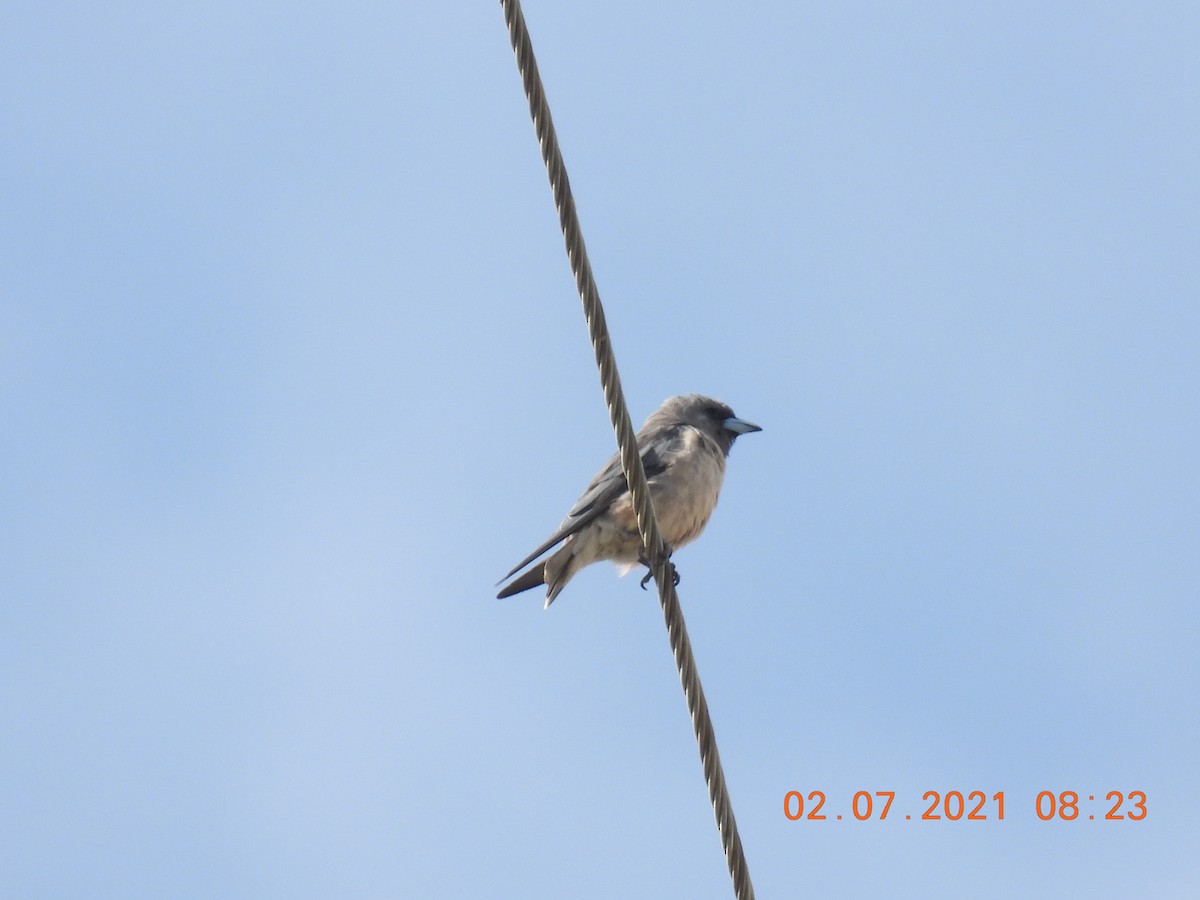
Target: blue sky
x,y
292,369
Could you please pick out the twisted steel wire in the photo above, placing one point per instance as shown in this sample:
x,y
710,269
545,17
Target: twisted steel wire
x,y
654,549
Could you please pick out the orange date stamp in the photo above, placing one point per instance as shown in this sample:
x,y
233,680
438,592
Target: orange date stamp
x,y
969,806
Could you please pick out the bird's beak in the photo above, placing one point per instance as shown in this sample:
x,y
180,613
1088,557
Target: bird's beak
x,y
739,426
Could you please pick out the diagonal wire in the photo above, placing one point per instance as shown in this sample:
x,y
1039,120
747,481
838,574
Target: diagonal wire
x,y
653,546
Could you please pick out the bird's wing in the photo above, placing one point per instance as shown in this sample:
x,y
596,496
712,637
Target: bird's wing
x,y
607,486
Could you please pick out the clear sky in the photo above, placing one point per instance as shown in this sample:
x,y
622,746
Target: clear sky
x,y
292,370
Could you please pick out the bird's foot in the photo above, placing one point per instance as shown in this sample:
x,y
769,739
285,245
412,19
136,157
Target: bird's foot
x,y
675,577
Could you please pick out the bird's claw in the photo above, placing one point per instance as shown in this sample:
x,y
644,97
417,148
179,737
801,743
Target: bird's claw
x,y
675,577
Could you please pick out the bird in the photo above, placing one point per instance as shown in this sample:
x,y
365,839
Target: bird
x,y
683,445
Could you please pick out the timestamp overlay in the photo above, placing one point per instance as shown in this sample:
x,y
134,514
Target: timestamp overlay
x,y
1113,806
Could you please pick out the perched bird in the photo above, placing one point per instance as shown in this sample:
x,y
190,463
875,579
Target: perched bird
x,y
683,446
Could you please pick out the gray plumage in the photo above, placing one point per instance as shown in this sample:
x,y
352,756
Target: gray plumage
x,y
683,446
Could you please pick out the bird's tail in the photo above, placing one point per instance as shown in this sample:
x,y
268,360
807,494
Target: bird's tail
x,y
555,572
530,579
561,568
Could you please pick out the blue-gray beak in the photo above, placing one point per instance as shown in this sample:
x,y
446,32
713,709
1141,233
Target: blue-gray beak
x,y
739,426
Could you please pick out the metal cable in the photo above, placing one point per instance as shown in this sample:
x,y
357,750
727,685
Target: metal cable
x,y
652,542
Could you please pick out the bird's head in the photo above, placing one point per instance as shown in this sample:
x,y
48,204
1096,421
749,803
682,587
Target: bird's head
x,y
714,418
